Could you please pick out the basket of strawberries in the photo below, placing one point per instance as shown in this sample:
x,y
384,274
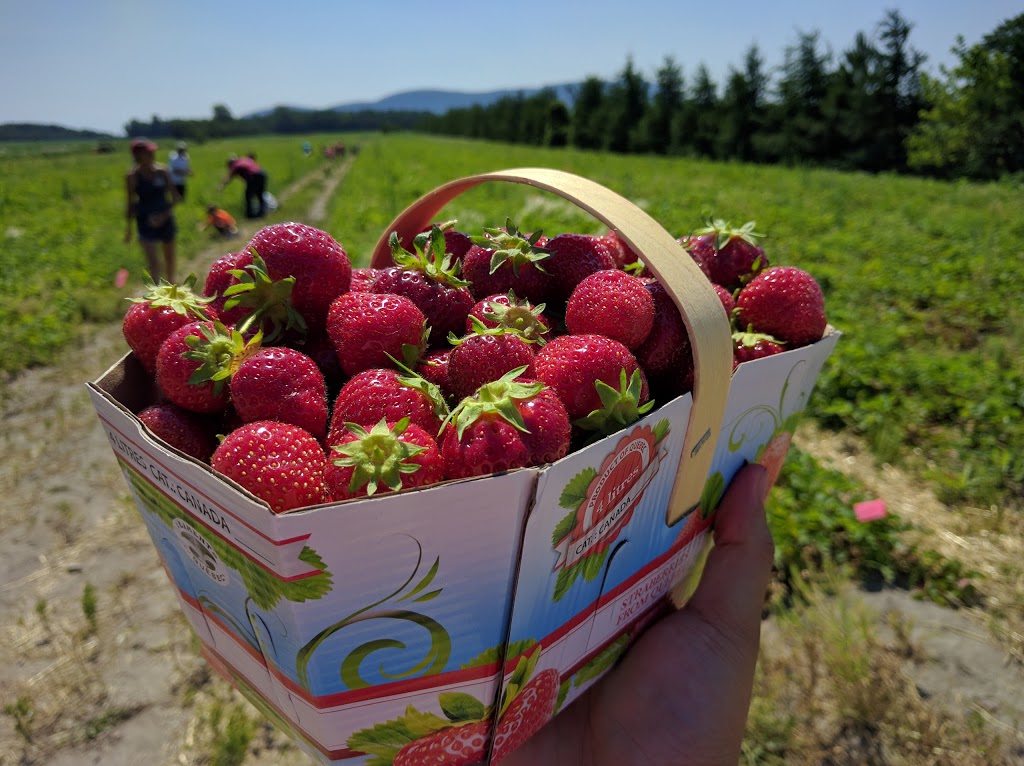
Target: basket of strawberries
x,y
417,508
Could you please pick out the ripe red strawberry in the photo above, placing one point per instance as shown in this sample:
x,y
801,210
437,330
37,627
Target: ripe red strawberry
x,y
574,365
183,370
385,393
503,260
387,458
483,357
459,745
281,464
748,346
219,278
733,257
183,430
279,383
526,714
161,310
622,253
613,304
699,248
728,302
509,423
456,243
573,257
362,279
317,261
786,303
666,355
371,330
506,311
320,349
433,367
430,279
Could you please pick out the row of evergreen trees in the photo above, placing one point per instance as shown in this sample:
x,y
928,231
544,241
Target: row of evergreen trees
x,y
871,109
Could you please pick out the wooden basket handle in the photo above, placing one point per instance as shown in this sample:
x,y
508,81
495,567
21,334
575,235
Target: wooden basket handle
x,y
698,303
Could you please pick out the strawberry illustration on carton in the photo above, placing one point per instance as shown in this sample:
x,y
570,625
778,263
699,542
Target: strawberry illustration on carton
x,y
447,623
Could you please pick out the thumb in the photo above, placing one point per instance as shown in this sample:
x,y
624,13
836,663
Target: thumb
x,y
730,596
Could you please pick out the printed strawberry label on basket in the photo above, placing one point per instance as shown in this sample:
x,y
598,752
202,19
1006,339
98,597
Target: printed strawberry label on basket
x,y
602,502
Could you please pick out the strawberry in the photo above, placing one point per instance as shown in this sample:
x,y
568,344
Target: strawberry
x,y
187,370
786,303
573,257
279,463
699,248
732,255
183,430
430,279
575,365
728,302
279,383
460,745
386,393
483,357
666,355
266,303
613,304
526,714
433,367
748,346
387,458
506,311
621,252
456,243
509,423
317,261
320,349
219,278
503,260
371,330
161,310
362,279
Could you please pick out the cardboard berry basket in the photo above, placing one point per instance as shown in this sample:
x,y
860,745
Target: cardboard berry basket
x,y
362,627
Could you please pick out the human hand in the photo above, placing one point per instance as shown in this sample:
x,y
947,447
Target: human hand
x,y
156,220
681,693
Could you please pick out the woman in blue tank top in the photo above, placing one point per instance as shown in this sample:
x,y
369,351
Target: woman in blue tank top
x,y
151,198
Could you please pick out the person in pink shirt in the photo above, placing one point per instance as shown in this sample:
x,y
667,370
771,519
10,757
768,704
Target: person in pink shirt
x,y
255,180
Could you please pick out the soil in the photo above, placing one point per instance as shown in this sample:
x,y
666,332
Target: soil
x,y
120,682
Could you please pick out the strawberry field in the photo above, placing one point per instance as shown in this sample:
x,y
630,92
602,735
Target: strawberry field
x,y
919,275
62,225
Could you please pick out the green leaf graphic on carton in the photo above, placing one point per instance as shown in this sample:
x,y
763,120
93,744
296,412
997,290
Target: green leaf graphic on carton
x,y
500,653
265,587
386,740
777,421
434,660
602,662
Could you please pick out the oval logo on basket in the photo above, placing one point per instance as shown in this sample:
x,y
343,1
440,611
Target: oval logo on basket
x,y
602,502
199,550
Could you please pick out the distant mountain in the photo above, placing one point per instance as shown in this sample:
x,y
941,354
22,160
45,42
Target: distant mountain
x,y
435,101
28,131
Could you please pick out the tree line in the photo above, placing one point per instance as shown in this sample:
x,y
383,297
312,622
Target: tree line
x,y
871,108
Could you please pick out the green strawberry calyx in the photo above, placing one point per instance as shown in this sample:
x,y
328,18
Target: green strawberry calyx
x,y
512,245
183,298
219,351
724,233
378,456
749,338
520,317
496,398
619,407
520,676
411,379
428,256
269,302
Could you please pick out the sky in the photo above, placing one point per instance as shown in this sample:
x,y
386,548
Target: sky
x,y
100,63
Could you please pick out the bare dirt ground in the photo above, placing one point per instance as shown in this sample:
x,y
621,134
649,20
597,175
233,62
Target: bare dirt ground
x,y
98,666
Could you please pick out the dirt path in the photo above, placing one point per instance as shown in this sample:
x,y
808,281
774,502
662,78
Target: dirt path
x,y
117,683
